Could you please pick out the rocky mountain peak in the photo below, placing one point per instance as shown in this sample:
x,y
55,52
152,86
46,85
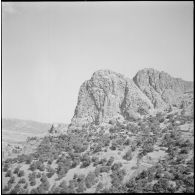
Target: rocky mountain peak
x,y
109,95
160,87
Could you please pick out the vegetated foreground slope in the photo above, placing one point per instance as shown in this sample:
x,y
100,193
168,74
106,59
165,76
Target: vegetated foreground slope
x,y
152,152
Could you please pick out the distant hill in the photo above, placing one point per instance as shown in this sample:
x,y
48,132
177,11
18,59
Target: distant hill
x,y
15,131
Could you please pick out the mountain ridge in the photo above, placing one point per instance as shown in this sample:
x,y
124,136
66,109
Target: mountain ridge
x,y
108,95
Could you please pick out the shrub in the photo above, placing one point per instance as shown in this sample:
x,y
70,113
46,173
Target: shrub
x,y
8,174
64,187
29,159
6,167
22,180
116,166
113,145
86,163
63,184
33,166
33,182
43,178
103,161
51,172
16,170
62,170
41,167
38,175
11,180
105,169
112,121
75,162
20,173
7,187
34,191
133,146
44,186
161,186
94,159
99,186
81,187
117,177
98,148
110,161
128,156
25,186
50,161
127,142
17,189
146,148
21,158
97,171
90,179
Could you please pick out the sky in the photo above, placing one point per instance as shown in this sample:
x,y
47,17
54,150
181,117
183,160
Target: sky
x,y
50,48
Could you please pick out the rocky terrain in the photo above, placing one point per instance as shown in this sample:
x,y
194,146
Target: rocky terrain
x,y
109,95
126,136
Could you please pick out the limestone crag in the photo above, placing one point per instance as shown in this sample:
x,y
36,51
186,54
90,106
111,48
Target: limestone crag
x,y
109,95
106,95
161,88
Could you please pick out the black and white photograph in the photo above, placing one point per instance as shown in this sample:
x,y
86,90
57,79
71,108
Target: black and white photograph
x,y
97,97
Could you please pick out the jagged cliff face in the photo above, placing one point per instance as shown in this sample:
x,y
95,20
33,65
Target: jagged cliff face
x,y
108,95
161,88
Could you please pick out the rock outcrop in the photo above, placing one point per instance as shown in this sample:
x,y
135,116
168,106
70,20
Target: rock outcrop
x,y
109,95
161,88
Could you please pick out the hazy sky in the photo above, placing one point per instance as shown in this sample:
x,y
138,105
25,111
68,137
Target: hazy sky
x,y
49,49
